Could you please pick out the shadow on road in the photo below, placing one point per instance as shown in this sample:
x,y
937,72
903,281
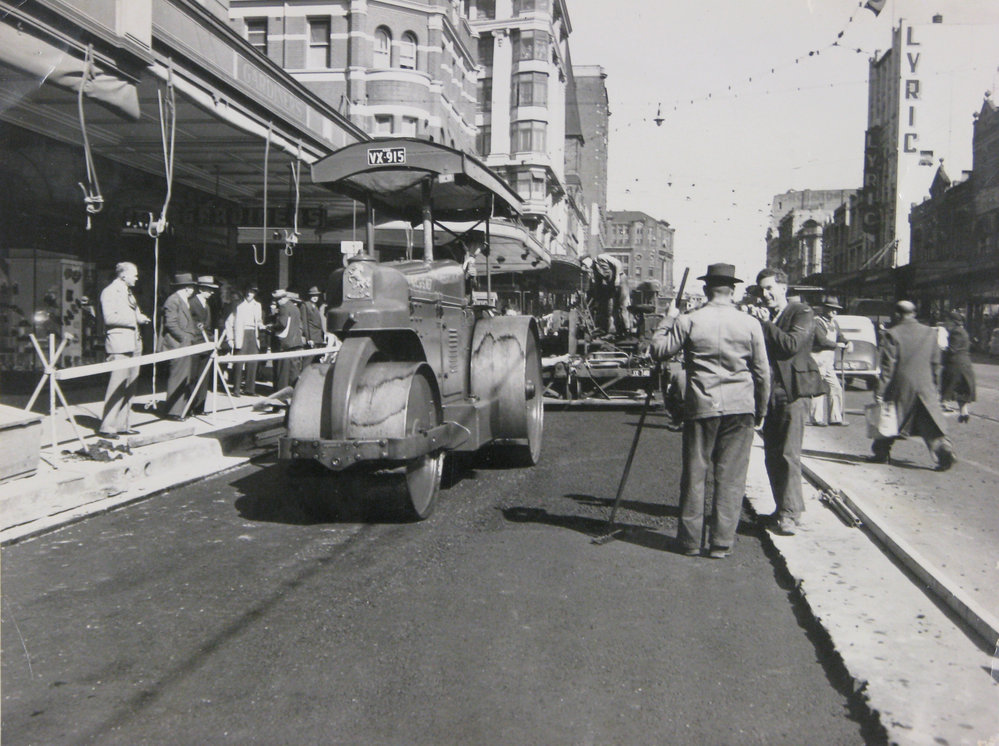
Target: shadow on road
x,y
847,458
594,527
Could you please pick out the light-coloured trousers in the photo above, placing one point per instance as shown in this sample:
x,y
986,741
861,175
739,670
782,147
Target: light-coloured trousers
x,y
118,397
827,408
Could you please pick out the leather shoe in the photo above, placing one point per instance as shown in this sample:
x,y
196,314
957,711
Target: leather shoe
x,y
945,459
787,526
692,551
130,431
176,417
720,552
109,436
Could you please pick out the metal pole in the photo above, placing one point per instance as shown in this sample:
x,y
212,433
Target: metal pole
x,y
369,212
426,191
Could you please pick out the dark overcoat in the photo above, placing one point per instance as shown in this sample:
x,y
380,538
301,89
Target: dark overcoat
x,y
910,373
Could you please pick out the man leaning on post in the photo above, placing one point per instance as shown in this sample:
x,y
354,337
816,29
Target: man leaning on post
x,y
727,389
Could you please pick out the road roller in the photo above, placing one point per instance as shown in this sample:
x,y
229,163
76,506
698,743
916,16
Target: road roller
x,y
423,369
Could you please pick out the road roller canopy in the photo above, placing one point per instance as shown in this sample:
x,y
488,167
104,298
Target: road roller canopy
x,y
393,172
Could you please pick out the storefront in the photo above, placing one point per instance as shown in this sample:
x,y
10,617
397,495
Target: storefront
x,y
183,136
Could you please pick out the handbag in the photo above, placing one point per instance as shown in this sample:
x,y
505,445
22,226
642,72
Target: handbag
x,y
882,419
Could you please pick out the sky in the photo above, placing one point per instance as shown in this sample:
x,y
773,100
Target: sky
x,y
748,111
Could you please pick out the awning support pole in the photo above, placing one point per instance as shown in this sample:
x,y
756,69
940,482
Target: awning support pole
x,y
262,260
487,250
426,189
369,214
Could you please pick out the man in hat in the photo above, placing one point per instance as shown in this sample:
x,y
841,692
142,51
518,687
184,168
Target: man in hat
x,y
910,378
726,394
122,319
788,329
287,333
827,342
313,324
201,312
179,330
242,327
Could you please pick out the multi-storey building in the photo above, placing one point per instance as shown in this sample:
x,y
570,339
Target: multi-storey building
x,y
794,239
644,245
594,115
394,68
921,95
525,92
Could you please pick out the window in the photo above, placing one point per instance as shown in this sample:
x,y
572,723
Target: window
x,y
530,45
408,127
407,51
528,137
485,9
383,124
530,89
256,33
520,7
530,186
318,53
486,50
383,48
483,140
485,95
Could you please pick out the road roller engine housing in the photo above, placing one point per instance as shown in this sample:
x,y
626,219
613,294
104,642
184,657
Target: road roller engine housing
x,y
420,372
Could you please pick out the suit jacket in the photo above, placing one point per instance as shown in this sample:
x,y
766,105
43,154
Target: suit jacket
x,y
789,347
202,316
121,319
179,329
910,370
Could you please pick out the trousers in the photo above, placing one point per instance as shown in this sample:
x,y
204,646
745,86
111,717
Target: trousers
x,y
828,408
118,397
249,348
783,430
722,446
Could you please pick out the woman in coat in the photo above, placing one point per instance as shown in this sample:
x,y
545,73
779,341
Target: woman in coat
x,y
958,375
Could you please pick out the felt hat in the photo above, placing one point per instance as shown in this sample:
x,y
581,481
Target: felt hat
x,y
831,301
314,291
182,279
252,287
720,274
279,294
956,315
207,281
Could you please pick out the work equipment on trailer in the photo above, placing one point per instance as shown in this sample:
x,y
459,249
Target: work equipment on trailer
x,y
422,370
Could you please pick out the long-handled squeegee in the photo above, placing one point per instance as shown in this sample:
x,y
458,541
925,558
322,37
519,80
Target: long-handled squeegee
x,y
611,531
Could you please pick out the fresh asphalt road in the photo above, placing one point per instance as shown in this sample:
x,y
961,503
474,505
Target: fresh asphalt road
x,y
219,612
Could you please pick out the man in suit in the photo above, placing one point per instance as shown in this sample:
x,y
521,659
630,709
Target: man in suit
x,y
241,329
910,377
122,319
727,389
201,312
827,409
788,329
287,331
313,328
179,330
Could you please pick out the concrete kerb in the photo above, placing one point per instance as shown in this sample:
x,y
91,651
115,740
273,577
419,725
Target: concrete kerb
x,y
38,504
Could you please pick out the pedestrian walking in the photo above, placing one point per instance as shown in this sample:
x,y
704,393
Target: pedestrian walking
x,y
201,311
242,328
286,332
788,330
122,319
827,342
958,373
179,330
910,379
726,394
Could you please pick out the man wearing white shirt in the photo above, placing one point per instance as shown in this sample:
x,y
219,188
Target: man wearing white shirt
x,y
122,319
241,329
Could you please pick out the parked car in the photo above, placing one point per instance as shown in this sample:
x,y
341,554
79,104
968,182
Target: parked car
x,y
859,361
878,311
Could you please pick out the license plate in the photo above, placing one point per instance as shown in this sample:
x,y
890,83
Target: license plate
x,y
386,156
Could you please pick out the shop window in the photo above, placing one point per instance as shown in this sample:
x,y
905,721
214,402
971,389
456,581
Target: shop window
x,y
256,34
408,127
407,51
530,45
528,137
383,48
483,140
383,124
318,54
530,89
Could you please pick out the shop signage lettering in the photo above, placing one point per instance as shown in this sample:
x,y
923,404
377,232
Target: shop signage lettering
x,y
912,94
265,87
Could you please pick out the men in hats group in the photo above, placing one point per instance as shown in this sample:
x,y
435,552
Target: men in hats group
x,y
726,394
286,330
122,319
179,330
313,321
788,328
827,344
910,378
242,327
201,312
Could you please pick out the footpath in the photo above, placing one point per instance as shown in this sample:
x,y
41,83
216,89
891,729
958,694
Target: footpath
x,y
908,598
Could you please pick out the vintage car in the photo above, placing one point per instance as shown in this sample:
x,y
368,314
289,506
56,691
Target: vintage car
x,y
859,361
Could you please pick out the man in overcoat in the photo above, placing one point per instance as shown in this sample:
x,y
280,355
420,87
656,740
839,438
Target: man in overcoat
x,y
179,330
910,377
201,312
727,389
122,319
788,328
